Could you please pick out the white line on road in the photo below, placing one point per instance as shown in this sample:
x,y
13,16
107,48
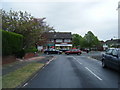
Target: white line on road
x,y
25,84
93,73
69,56
76,60
73,57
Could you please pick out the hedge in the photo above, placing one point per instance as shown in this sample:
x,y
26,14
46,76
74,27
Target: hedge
x,y
32,49
11,43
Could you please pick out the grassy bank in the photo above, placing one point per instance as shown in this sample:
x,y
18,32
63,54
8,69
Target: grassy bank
x,y
17,77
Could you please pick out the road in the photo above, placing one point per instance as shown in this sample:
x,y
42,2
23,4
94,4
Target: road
x,y
74,71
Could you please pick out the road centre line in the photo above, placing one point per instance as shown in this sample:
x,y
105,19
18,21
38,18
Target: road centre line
x,y
73,57
93,74
89,70
76,60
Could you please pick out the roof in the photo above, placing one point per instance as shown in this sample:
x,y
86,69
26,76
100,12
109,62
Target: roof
x,y
113,41
60,35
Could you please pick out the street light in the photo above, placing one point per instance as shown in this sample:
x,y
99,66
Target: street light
x,y
118,19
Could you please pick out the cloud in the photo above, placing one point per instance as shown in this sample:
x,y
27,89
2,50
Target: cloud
x,y
80,16
52,0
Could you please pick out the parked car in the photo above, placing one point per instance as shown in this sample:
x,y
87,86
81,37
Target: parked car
x,y
87,50
111,58
52,51
64,50
74,51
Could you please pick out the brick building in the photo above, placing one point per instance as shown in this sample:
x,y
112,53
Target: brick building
x,y
58,40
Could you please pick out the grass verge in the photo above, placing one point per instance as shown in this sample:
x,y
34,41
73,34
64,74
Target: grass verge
x,y
17,77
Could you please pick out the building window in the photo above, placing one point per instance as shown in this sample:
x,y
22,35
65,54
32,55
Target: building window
x,y
58,40
52,40
67,40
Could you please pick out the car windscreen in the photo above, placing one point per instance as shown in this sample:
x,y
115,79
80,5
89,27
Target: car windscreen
x,y
109,51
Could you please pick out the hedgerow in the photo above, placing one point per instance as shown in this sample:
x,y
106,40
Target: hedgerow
x,y
12,43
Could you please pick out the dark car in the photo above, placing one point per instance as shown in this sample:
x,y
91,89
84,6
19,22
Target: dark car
x,y
111,58
74,51
52,51
86,50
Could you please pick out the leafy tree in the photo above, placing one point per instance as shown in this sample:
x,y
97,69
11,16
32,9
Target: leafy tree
x,y
77,40
25,24
90,40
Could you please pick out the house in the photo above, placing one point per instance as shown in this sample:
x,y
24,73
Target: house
x,y
57,40
111,43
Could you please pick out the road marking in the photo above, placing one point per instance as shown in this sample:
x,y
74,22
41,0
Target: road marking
x,y
93,73
73,57
69,56
51,60
76,60
25,84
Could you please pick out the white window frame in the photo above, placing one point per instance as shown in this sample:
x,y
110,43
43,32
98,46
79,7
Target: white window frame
x,y
67,40
59,40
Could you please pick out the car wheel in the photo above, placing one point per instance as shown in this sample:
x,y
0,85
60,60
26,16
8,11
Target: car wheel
x,y
78,53
103,64
47,53
67,53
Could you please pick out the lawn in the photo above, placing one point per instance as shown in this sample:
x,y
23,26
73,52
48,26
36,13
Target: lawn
x,y
17,77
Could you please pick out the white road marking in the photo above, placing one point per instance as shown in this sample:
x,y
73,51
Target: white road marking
x,y
73,57
25,84
76,60
69,56
51,60
93,73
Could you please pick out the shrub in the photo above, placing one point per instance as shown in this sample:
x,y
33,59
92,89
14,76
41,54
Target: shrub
x,y
20,53
32,49
11,43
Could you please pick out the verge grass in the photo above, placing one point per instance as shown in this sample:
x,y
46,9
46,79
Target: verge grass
x,y
17,77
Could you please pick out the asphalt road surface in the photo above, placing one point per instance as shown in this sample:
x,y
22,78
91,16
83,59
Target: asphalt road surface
x,y
74,71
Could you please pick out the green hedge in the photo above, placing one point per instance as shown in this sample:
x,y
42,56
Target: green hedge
x,y
32,49
11,43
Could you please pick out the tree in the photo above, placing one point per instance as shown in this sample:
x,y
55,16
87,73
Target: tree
x,y
77,40
23,23
90,40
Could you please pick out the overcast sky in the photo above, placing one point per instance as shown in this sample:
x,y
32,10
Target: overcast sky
x,y
76,16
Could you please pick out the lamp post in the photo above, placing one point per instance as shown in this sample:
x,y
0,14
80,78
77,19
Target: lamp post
x,y
118,20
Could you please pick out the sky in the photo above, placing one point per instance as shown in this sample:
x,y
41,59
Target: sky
x,y
76,16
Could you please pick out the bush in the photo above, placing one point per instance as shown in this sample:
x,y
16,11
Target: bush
x,y
11,43
20,53
32,49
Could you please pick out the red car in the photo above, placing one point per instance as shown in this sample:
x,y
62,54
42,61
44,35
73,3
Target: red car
x,y
74,51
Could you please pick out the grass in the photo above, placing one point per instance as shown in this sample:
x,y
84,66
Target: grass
x,y
17,77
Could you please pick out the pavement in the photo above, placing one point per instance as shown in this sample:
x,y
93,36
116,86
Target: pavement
x,y
20,63
74,71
